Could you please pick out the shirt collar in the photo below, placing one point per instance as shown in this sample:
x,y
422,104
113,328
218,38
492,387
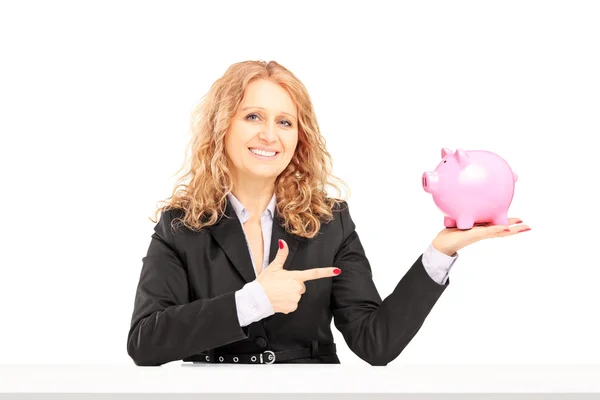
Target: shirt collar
x,y
244,214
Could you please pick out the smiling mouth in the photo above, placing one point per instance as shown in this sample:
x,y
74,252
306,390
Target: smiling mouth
x,y
264,154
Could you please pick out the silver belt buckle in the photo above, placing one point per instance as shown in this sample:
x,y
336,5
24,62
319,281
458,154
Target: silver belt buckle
x,y
270,357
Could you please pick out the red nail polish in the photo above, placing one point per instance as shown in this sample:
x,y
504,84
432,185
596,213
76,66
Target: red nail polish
x,y
337,271
518,222
280,244
507,230
525,230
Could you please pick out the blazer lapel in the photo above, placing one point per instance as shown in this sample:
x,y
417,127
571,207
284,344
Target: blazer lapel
x,y
229,234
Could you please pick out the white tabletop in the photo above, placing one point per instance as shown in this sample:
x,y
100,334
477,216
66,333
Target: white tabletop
x,y
299,378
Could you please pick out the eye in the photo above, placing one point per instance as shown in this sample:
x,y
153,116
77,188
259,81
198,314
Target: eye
x,y
444,160
249,117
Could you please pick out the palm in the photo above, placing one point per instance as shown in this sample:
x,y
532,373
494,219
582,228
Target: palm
x,y
450,240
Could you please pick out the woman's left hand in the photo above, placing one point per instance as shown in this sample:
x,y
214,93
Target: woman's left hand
x,y
451,240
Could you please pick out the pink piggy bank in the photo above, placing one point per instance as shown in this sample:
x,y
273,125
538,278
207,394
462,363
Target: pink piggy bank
x,y
471,187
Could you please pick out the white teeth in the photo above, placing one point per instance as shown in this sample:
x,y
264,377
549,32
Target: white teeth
x,y
263,153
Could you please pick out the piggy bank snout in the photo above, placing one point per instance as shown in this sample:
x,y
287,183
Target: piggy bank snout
x,y
428,180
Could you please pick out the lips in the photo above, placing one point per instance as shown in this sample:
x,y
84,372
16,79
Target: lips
x,y
271,153
263,149
264,157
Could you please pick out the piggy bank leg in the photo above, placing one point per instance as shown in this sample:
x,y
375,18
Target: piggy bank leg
x,y
500,219
465,222
449,222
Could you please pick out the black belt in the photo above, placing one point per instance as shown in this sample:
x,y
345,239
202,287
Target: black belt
x,y
268,356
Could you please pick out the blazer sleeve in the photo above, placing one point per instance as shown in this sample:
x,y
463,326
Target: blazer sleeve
x,y
165,325
377,331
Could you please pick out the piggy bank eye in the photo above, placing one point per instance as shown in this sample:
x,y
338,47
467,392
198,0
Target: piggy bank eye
x,y
444,160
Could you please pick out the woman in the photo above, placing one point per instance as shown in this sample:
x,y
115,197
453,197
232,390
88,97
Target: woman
x,y
250,259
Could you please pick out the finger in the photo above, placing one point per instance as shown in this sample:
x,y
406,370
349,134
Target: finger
x,y
316,273
280,257
511,221
512,230
501,230
487,230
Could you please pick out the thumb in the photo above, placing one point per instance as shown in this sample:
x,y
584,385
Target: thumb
x,y
280,257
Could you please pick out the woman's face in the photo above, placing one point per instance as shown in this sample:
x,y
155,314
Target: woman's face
x,y
266,122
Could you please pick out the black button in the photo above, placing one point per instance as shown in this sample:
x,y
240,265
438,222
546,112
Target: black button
x,y
261,342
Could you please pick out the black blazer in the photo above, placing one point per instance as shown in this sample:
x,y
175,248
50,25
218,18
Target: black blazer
x,y
185,304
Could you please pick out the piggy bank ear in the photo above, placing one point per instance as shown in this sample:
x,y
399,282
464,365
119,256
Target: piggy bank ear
x,y
461,155
445,151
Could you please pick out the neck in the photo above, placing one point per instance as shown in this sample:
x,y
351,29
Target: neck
x,y
255,197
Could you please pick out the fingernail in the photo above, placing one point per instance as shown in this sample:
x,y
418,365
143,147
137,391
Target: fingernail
x,y
507,230
518,222
280,244
525,230
337,271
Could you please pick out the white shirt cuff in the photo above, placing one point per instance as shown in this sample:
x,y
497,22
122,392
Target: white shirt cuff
x,y
252,303
438,264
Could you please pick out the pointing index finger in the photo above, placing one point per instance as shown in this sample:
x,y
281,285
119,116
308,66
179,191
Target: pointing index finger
x,y
316,273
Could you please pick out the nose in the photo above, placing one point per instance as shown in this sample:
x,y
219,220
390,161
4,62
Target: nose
x,y
269,132
425,182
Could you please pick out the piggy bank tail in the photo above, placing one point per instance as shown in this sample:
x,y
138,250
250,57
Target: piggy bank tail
x,y
515,177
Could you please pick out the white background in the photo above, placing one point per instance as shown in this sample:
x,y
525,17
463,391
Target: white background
x,y
95,99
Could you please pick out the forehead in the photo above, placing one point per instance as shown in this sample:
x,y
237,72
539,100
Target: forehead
x,y
268,95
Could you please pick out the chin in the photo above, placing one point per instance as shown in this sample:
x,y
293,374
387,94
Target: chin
x,y
263,174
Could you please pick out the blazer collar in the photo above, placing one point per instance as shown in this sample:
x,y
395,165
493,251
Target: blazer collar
x,y
243,214
229,234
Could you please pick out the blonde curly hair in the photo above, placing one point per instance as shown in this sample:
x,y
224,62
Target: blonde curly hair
x,y
300,190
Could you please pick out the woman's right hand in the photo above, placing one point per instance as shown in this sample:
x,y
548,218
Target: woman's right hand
x,y
285,288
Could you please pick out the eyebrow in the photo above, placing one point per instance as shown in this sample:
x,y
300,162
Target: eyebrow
x,y
260,108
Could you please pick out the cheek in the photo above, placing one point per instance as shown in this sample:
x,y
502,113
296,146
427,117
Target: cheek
x,y
227,145
291,143
236,132
232,146
233,140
